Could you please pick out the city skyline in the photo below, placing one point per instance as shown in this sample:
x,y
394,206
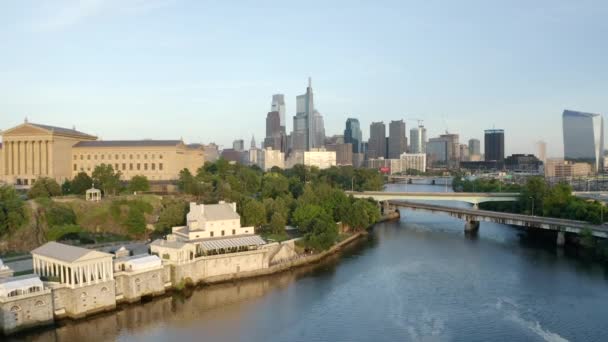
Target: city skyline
x,y
112,60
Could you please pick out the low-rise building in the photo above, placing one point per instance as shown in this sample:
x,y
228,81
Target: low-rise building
x,y
522,163
408,161
320,158
5,271
139,276
268,158
24,303
558,168
344,153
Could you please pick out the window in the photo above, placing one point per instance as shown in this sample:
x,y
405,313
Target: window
x,y
116,157
130,167
102,156
145,166
116,166
124,156
75,167
138,166
81,157
88,157
39,303
130,156
15,308
153,166
124,166
160,166
138,156
211,234
145,156
104,289
234,232
223,233
95,157
160,156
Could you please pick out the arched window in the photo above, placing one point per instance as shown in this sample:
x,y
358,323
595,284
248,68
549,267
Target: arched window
x,y
104,289
39,303
83,295
15,308
14,293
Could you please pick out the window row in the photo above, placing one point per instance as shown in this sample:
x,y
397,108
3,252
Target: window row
x,y
131,167
116,156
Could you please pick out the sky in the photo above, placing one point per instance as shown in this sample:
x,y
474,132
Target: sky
x,y
205,71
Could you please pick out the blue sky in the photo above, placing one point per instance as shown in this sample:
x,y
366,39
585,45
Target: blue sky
x,y
206,70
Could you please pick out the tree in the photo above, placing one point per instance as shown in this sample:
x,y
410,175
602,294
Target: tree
x,y
278,223
107,180
173,213
323,234
44,187
254,214
12,211
66,187
139,183
135,222
304,216
274,184
81,183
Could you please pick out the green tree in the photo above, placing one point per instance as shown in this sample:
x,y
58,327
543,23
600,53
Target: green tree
x,y
305,215
106,178
173,213
139,183
81,183
274,184
323,233
12,210
278,223
66,187
135,222
254,214
44,187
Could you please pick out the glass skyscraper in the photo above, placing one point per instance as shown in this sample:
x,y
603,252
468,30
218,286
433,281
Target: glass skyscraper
x,y
583,137
352,134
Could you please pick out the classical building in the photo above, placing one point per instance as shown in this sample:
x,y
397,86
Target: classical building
x,y
30,151
214,228
320,158
24,303
158,160
140,275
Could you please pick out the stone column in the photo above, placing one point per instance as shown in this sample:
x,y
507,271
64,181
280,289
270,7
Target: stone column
x,y
72,277
25,158
561,239
12,158
50,158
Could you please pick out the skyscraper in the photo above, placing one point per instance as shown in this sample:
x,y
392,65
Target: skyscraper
x,y
418,140
437,151
377,140
305,110
278,105
494,145
352,134
319,130
238,145
541,148
274,132
583,137
453,148
299,136
397,141
474,147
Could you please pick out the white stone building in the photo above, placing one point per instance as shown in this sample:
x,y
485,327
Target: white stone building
x,y
320,158
269,158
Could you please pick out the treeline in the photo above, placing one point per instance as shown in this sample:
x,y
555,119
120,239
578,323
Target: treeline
x,y
308,198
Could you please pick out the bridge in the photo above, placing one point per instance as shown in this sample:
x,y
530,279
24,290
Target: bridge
x,y
472,218
427,180
471,197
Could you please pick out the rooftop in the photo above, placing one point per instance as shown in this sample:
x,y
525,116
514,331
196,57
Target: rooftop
x,y
67,253
233,242
168,244
61,130
128,143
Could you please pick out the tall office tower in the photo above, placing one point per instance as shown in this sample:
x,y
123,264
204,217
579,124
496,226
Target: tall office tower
x,y
453,148
238,145
541,150
252,142
583,138
274,132
377,140
474,147
278,105
305,108
319,130
397,141
352,134
437,151
418,140
494,145
299,136
464,152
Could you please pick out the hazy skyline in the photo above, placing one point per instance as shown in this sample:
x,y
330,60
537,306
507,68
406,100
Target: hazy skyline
x,y
206,71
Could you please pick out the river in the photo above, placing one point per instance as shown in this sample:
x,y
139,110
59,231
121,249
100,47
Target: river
x,y
417,279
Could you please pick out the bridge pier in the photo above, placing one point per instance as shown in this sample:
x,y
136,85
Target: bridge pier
x,y
471,226
561,239
476,206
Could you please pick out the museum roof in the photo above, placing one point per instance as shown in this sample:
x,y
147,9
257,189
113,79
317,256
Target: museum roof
x,y
128,143
67,253
232,242
61,130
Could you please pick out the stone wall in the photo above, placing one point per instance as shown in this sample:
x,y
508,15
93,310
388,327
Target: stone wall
x,y
26,312
134,285
82,301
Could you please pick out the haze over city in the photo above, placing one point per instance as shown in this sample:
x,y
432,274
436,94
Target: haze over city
x,y
206,71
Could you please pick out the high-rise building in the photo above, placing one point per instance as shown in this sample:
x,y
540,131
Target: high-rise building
x,y
299,136
397,141
583,138
274,132
305,111
344,152
464,152
377,140
474,147
319,130
418,140
541,148
238,145
352,134
437,151
494,145
453,148
278,105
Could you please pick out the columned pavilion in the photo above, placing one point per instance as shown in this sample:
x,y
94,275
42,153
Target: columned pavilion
x,y
73,266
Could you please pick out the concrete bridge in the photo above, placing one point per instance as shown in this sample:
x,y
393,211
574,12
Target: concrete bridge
x,y
470,197
472,218
426,180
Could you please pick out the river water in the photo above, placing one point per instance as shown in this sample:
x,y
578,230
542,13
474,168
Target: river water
x,y
417,279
